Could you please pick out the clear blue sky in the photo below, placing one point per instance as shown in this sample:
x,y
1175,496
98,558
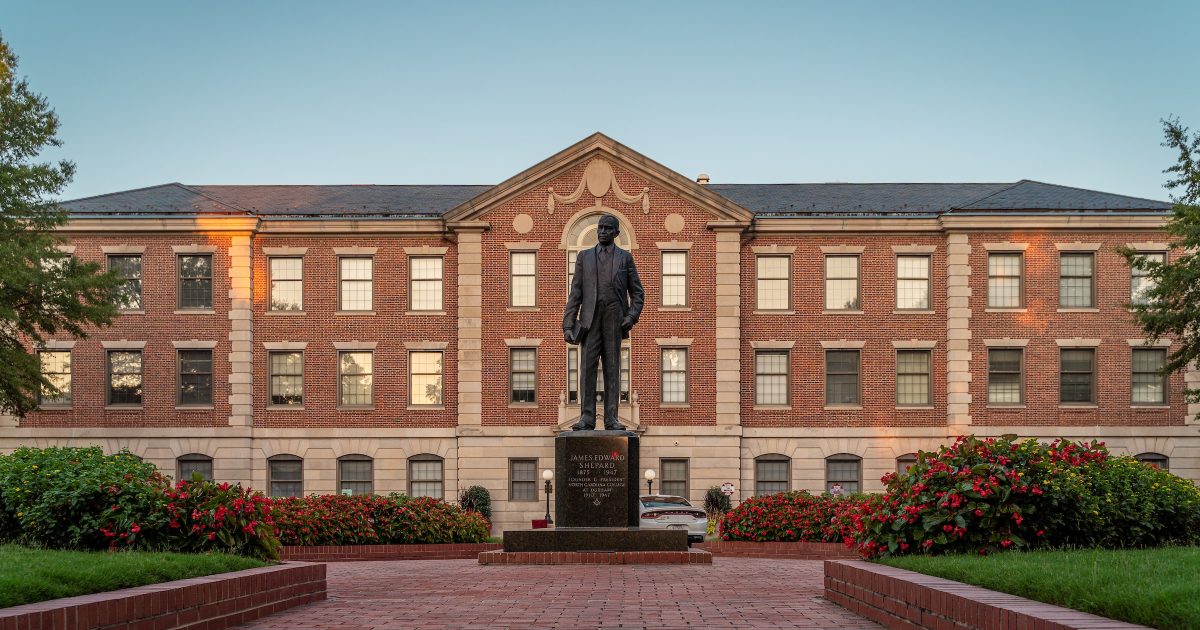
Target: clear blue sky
x,y
472,93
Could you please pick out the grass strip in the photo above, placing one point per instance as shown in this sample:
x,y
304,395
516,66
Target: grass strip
x,y
1152,587
35,575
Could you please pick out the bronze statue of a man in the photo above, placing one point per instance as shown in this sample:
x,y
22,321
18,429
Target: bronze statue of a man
x,y
605,302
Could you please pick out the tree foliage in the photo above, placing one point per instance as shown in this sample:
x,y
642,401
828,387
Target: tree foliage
x,y
1171,305
43,290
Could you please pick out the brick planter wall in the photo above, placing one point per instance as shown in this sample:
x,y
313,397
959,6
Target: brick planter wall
x,y
781,550
897,598
345,553
204,603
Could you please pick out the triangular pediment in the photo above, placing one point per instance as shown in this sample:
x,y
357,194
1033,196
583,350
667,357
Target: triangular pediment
x,y
600,153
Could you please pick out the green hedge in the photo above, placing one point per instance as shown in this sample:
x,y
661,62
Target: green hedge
x,y
370,519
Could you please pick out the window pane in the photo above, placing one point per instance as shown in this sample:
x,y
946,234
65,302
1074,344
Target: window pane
x,y
1149,387
674,278
1004,280
195,281
356,369
1076,378
772,282
125,378
841,377
287,378
841,283
357,288
195,377
771,476
523,477
426,283
188,466
128,294
1140,282
523,365
286,477
426,478
770,378
56,368
573,374
912,282
524,268
912,377
1004,389
357,476
287,290
425,376
674,375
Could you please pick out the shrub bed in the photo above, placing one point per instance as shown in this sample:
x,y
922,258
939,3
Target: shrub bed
x,y
793,517
369,519
982,496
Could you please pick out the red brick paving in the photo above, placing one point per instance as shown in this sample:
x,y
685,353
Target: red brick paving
x,y
731,593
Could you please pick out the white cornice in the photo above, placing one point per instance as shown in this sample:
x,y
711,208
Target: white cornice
x,y
180,224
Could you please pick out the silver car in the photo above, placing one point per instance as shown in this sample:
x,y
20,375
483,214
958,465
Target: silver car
x,y
661,511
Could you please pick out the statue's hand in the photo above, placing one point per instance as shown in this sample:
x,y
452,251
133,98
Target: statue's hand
x,y
627,324
569,336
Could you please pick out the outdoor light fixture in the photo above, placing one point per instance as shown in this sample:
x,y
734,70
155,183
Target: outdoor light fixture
x,y
547,475
650,481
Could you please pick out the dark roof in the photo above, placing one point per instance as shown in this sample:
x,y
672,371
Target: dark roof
x,y
767,200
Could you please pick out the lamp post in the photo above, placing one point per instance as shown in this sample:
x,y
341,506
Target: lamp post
x,y
650,481
547,475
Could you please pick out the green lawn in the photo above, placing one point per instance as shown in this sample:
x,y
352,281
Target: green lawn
x,y
34,575
1153,587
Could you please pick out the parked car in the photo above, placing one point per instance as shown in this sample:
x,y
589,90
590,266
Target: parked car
x,y
663,511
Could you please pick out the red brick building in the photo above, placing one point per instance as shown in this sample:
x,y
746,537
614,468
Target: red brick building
x,y
407,338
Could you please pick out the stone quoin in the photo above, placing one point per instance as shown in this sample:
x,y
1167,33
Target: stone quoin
x,y
322,339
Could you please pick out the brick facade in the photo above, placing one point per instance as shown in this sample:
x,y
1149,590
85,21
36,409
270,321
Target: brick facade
x,y
719,429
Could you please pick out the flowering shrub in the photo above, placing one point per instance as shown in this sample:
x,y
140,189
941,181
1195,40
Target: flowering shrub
x,y
68,497
205,516
986,495
1130,504
792,517
372,519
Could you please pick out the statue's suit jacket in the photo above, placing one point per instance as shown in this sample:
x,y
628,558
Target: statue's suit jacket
x,y
581,303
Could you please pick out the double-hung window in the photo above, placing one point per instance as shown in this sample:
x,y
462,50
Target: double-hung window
x,y
128,294
425,378
56,368
1006,280
771,377
356,475
523,279
287,283
1140,281
287,378
1076,280
1077,376
425,285
522,480
772,283
913,382
425,476
195,378
285,476
125,377
1006,377
912,283
841,377
674,477
522,364
1149,387
674,375
355,275
195,281
356,371
772,474
674,278
841,283
194,463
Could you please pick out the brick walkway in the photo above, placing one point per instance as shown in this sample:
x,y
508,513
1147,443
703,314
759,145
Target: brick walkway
x,y
732,593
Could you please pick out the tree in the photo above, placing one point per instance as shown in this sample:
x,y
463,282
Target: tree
x,y
1170,305
43,289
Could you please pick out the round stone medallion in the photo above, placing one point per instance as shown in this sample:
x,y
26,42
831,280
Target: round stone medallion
x,y
522,223
673,223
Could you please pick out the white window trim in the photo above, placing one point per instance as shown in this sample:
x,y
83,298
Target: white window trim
x,y
1005,246
1077,247
351,346
122,249
773,250
194,249
426,250
772,345
521,342
123,344
1145,343
678,342
419,346
285,251
842,344
1005,343
914,249
843,249
914,344
355,251
1077,343
523,246
57,344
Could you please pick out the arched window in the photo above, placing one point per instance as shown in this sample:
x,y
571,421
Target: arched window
x,y
582,235
191,463
772,474
904,462
425,476
843,473
356,474
285,476
1157,460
